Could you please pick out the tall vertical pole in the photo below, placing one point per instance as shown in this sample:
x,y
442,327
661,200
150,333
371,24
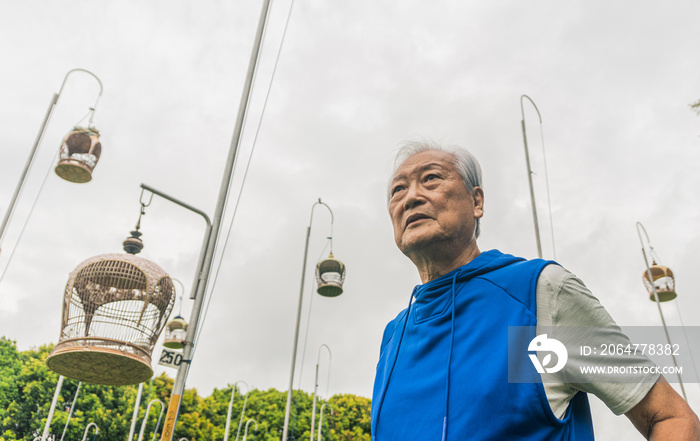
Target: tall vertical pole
x,y
135,415
313,407
37,141
529,175
288,408
72,406
23,176
47,426
320,421
180,379
658,302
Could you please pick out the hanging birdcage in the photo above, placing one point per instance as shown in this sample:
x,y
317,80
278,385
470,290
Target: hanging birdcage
x,y
330,274
79,154
114,309
663,281
175,332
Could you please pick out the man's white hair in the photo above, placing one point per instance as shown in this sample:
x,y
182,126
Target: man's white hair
x,y
465,163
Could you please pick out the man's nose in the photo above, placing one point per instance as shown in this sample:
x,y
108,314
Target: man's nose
x,y
414,196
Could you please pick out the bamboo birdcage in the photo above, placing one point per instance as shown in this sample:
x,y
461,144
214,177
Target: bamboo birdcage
x,y
114,308
330,275
79,154
175,333
664,283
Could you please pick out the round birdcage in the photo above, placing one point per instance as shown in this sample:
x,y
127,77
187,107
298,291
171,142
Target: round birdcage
x,y
114,309
175,332
330,275
663,281
79,154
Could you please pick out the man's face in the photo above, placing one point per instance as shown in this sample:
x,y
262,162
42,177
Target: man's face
x,y
429,204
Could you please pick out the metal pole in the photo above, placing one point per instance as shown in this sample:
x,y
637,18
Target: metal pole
x,y
529,174
37,141
288,408
320,421
230,408
72,406
240,422
313,409
202,252
135,415
52,408
180,379
658,303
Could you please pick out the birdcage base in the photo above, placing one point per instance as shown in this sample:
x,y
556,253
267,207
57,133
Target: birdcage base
x,y
100,365
73,171
174,344
664,296
329,290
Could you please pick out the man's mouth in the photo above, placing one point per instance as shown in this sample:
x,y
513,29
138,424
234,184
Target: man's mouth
x,y
415,218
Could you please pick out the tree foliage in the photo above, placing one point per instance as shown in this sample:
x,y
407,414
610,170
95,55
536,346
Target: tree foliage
x,y
27,387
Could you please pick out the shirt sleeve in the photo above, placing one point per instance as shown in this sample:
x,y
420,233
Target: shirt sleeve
x,y
564,301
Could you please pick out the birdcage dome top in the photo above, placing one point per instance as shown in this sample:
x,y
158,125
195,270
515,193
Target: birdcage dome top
x,y
177,323
153,272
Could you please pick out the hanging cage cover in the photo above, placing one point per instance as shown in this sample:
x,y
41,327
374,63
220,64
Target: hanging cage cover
x,y
664,282
114,308
79,154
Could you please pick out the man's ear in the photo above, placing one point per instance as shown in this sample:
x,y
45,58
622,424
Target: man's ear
x,y
478,196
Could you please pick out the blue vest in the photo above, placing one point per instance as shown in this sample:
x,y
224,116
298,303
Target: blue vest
x,y
443,372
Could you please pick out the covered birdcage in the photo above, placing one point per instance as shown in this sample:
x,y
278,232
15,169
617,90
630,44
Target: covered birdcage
x,y
80,151
330,274
663,281
114,309
175,332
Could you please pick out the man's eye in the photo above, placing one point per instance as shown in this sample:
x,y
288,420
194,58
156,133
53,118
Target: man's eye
x,y
430,177
396,189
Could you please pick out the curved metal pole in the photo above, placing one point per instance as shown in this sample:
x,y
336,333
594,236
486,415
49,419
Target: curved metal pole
x,y
145,418
288,407
230,408
72,406
97,430
529,173
320,420
240,422
313,409
656,297
188,350
37,141
207,237
245,434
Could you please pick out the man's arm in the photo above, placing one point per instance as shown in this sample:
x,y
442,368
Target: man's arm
x,y
664,415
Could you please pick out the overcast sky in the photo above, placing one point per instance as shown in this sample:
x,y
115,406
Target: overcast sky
x,y
612,81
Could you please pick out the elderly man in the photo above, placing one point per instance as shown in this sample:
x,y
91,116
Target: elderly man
x,y
443,367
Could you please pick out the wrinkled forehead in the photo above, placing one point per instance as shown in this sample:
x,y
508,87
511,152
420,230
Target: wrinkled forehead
x,y
426,160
